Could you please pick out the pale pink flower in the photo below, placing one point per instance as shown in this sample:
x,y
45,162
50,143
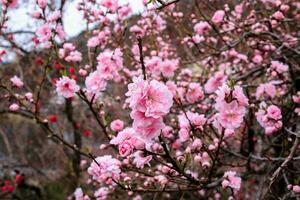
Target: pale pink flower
x,y
218,16
266,88
278,15
42,3
66,87
54,16
151,98
95,84
274,112
109,63
44,33
279,66
16,81
101,193
270,119
125,134
147,128
74,56
111,5
168,67
231,115
215,82
105,169
117,125
126,148
296,188
14,107
140,160
194,93
78,194
232,180
202,28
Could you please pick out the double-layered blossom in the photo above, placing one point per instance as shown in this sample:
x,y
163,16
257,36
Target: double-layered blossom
x,y
270,119
127,140
194,93
105,168
66,87
149,101
267,89
231,106
95,83
109,63
231,180
215,82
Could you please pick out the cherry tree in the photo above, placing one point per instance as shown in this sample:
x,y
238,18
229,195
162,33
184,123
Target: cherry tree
x,y
190,99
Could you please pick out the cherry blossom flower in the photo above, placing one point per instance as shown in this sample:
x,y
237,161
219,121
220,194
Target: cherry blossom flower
x,y
231,180
117,125
66,87
44,33
139,160
106,168
17,81
218,16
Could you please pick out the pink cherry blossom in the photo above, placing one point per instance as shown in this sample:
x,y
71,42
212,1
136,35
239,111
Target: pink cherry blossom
x,y
44,33
117,125
95,83
42,3
218,16
106,168
215,82
194,93
16,81
66,87
232,180
267,88
14,107
140,160
202,28
279,66
231,115
151,98
101,193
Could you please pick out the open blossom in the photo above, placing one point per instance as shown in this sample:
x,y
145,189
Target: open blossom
x,y
279,66
106,168
44,33
66,87
151,98
266,88
231,115
78,194
95,84
127,140
215,82
140,160
17,81
149,101
270,119
231,180
202,28
231,105
148,128
101,193
112,5
218,16
194,93
109,63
